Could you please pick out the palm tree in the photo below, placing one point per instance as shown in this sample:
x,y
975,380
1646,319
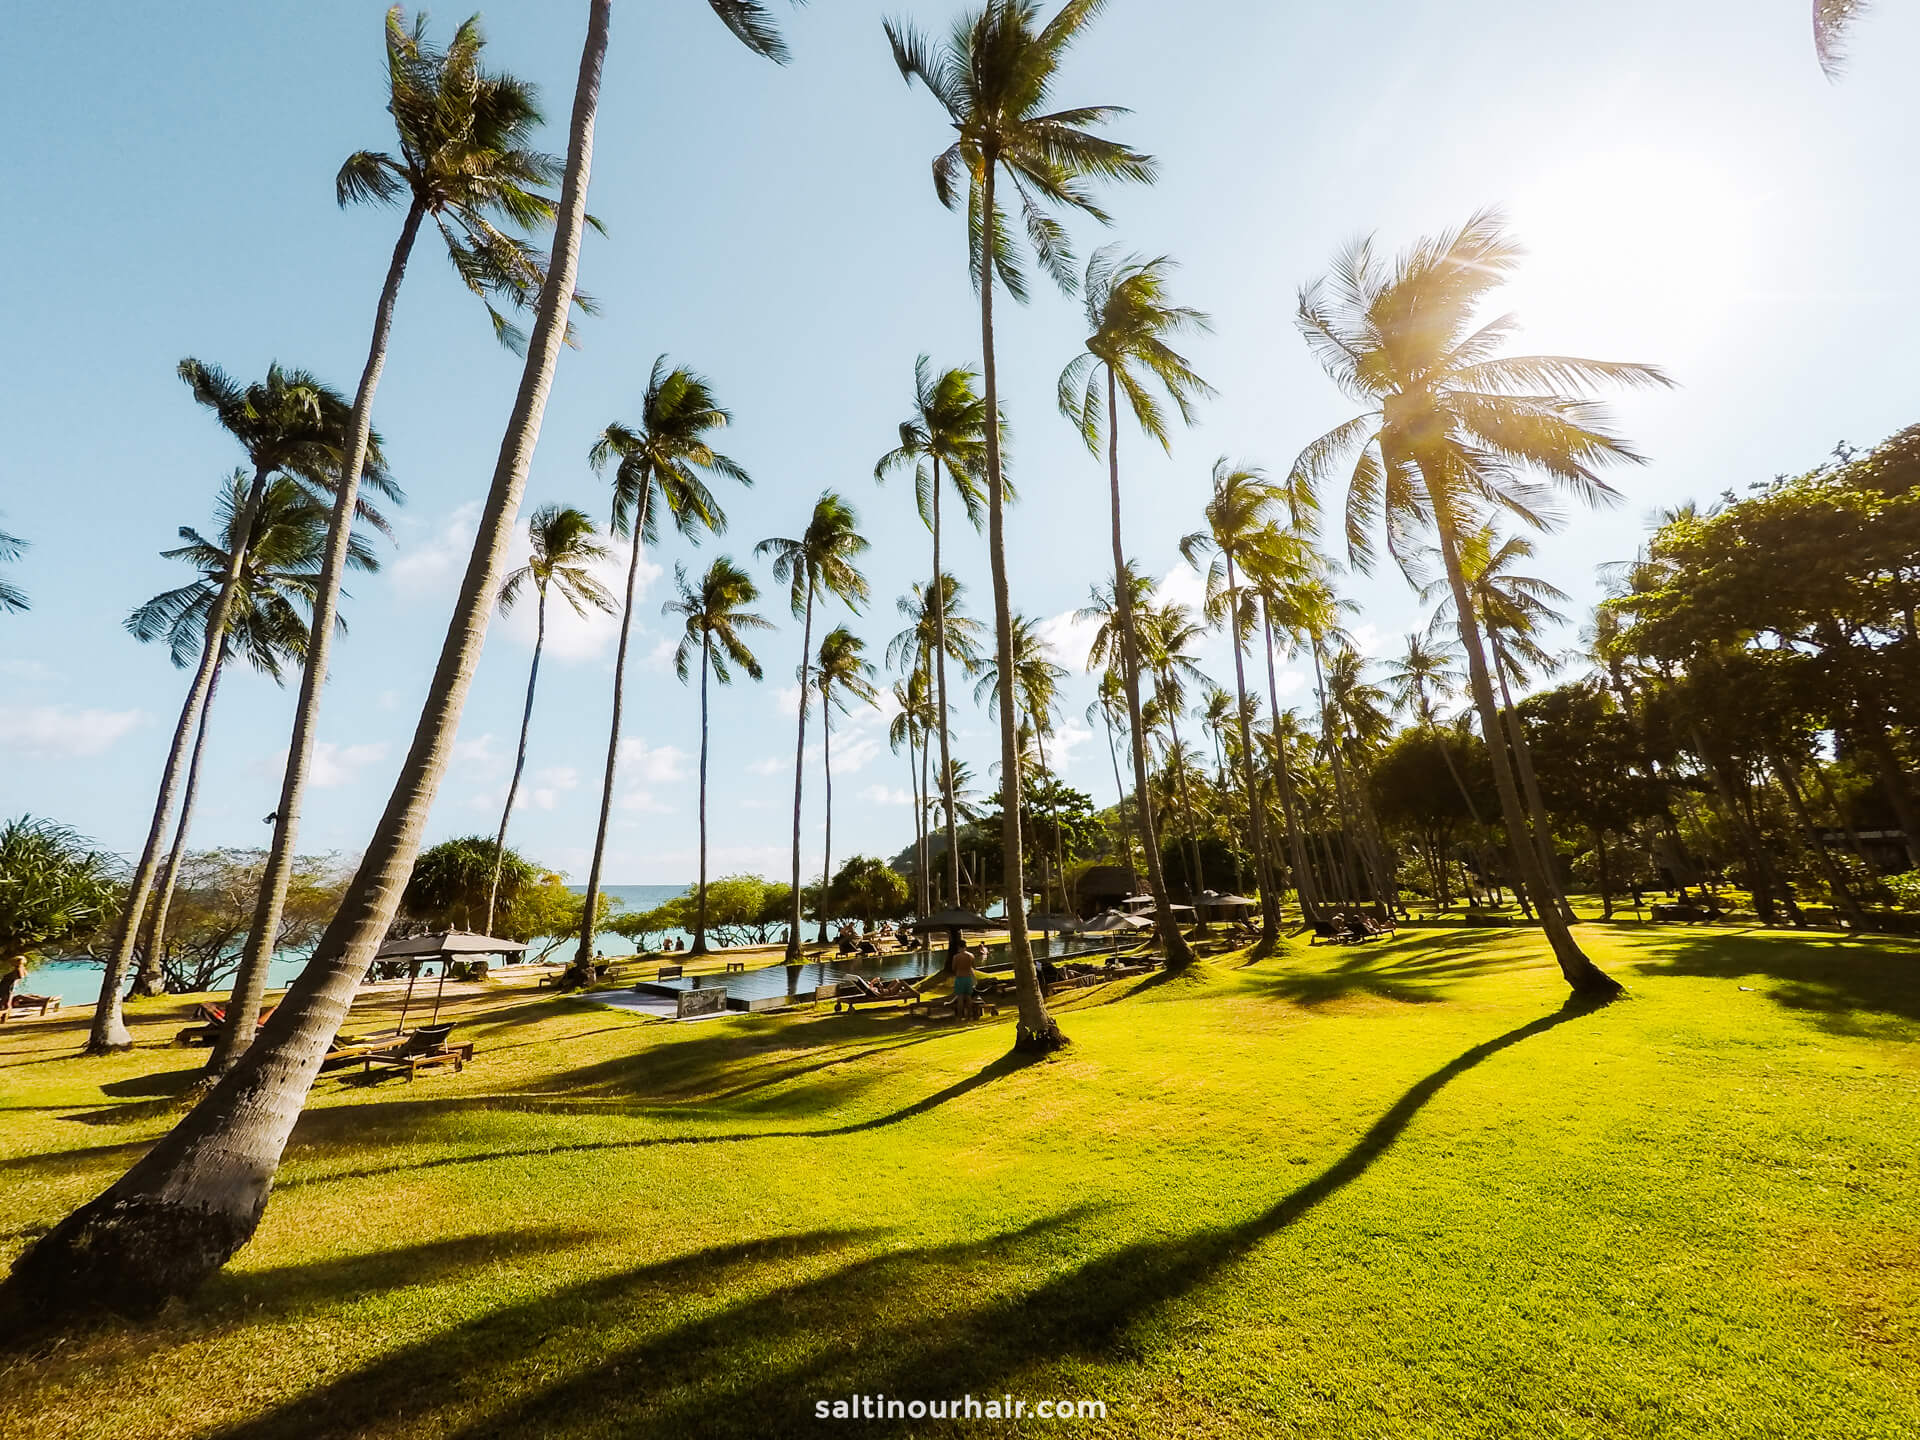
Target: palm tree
x,y
1036,684
994,78
1133,320
291,425
1452,432
264,624
1167,637
1420,680
1831,19
1109,707
660,465
12,597
1512,609
464,161
714,613
842,673
196,1197
913,723
1240,515
823,557
565,546
946,431
940,631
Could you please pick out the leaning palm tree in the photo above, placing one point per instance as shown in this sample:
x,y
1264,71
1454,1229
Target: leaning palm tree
x,y
660,465
1133,322
464,161
1240,515
186,1206
565,548
842,673
994,78
266,626
290,425
825,557
1452,432
713,614
12,597
944,439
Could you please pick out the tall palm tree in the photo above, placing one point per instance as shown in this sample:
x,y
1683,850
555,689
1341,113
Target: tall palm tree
x,y
1133,321
912,725
1168,635
12,597
939,631
1513,609
464,161
565,547
1036,685
714,614
265,625
1240,514
944,437
842,673
824,556
1421,679
292,425
660,465
1452,432
994,78
193,1199
1109,707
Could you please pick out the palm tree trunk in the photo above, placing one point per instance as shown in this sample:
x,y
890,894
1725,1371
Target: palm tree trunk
x,y
1530,788
700,907
914,766
197,1196
581,971
1306,891
250,981
1185,790
1358,841
1836,882
1250,778
1840,817
1179,953
826,847
1580,973
1036,1030
519,760
1053,816
150,979
800,770
940,685
926,827
109,1030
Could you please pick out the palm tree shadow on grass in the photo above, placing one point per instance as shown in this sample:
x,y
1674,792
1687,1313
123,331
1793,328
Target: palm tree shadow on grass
x,y
756,1367
1416,970
1839,982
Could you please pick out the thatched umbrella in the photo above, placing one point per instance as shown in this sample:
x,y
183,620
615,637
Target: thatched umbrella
x,y
444,946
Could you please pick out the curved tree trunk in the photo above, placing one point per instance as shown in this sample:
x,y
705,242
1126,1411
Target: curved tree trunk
x,y
1178,952
700,907
197,1196
1580,973
581,971
109,1029
519,761
151,978
1037,1030
1305,889
940,686
799,771
826,847
250,982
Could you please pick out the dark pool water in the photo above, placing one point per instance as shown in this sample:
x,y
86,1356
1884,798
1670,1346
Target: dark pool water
x,y
799,982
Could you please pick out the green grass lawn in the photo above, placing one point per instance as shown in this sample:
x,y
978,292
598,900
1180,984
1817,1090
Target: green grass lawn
x,y
1392,1190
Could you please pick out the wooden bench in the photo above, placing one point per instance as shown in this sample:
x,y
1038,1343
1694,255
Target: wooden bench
x,y
669,972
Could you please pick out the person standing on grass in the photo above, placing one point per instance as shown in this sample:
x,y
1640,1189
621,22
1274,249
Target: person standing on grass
x,y
964,1005
10,982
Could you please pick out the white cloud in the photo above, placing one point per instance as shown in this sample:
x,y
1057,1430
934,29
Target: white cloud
x,y
660,657
479,755
885,795
552,782
1181,585
770,765
571,636
1366,638
1064,741
1068,638
644,802
786,700
424,566
64,730
651,764
336,765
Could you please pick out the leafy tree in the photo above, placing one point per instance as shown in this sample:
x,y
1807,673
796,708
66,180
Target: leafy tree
x,y
565,545
713,614
944,437
662,463
869,888
453,884
823,557
994,79
1452,432
213,915
55,888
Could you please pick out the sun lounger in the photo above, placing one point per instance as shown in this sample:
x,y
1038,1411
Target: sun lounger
x,y
868,992
38,1004
212,1018
425,1049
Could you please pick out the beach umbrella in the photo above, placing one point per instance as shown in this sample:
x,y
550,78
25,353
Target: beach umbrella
x,y
1052,922
1113,920
441,945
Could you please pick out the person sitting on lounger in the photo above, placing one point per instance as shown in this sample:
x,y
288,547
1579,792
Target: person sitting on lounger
x,y
1050,973
883,989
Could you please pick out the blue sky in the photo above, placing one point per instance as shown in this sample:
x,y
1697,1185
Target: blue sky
x,y
1693,193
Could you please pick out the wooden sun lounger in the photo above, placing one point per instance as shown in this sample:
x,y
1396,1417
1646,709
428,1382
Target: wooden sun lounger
x,y
455,1055
212,1017
23,1002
